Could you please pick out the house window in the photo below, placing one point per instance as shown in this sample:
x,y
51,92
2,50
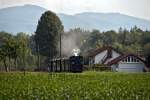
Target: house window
x,y
117,65
124,60
132,59
128,59
137,60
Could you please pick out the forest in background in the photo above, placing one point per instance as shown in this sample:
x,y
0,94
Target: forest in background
x,y
134,41
19,51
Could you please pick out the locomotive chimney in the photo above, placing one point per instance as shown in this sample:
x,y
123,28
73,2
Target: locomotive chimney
x,y
76,52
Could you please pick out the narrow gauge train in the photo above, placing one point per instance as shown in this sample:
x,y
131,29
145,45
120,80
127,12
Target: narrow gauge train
x,y
72,64
76,63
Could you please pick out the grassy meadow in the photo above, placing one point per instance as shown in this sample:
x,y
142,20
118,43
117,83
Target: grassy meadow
x,y
75,86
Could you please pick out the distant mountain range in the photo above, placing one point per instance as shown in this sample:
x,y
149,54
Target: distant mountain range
x,y
25,19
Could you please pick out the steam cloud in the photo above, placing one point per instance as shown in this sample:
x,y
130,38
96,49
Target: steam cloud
x,y
70,41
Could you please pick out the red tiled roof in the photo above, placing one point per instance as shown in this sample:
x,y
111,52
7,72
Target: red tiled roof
x,y
116,60
99,50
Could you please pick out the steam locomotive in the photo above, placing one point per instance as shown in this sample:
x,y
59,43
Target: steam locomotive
x,y
76,64
71,64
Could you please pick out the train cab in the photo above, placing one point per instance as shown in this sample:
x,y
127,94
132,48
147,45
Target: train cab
x,y
76,64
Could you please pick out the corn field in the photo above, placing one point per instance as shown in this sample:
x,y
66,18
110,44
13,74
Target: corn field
x,y
75,86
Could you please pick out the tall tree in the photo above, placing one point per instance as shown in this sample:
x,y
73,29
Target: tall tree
x,y
109,37
94,38
3,56
47,34
8,51
124,37
3,48
21,50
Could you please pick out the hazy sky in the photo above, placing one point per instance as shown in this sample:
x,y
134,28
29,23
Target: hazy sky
x,y
138,8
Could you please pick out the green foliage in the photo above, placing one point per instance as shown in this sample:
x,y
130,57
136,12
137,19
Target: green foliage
x,y
91,40
128,41
68,86
47,34
109,37
147,49
146,37
23,49
14,51
8,50
19,51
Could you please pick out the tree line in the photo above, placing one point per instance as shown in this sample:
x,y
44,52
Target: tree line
x,y
134,40
29,52
19,52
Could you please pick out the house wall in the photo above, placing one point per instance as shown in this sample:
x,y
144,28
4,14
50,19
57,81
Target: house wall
x,y
129,64
114,67
114,55
98,58
91,61
131,67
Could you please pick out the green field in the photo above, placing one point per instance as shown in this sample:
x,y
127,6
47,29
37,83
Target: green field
x,y
69,86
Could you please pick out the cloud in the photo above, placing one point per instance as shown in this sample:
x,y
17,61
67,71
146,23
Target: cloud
x,y
7,3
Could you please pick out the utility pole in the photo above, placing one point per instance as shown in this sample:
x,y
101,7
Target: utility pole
x,y
60,40
60,45
60,54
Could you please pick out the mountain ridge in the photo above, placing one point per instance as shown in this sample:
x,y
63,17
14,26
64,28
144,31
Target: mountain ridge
x,y
25,18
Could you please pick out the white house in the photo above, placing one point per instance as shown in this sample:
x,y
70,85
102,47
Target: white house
x,y
127,63
104,55
118,61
